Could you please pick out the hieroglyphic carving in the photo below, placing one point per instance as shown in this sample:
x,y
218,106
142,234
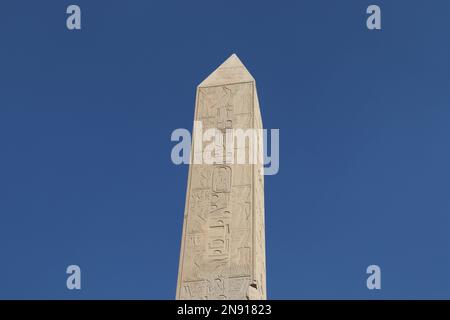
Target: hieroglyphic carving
x,y
201,176
232,288
199,205
222,179
225,117
223,237
241,202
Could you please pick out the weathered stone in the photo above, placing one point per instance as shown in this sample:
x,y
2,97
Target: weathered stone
x,y
223,245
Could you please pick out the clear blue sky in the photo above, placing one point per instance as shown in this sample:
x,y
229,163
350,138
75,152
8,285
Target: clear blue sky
x,y
86,117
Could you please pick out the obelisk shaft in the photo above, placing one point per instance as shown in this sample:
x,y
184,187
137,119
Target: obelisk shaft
x,y
223,245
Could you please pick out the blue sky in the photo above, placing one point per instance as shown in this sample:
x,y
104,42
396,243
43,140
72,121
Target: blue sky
x,y
86,117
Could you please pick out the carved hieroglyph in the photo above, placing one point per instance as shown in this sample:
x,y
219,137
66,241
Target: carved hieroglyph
x,y
223,246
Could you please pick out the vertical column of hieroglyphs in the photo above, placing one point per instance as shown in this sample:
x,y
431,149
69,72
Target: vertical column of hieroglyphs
x,y
223,254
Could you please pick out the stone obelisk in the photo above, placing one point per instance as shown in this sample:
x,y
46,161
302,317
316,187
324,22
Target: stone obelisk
x,y
222,252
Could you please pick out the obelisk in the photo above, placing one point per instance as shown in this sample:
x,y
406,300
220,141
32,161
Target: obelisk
x,y
222,252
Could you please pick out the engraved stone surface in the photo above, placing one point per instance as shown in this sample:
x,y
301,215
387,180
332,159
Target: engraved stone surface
x,y
222,252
